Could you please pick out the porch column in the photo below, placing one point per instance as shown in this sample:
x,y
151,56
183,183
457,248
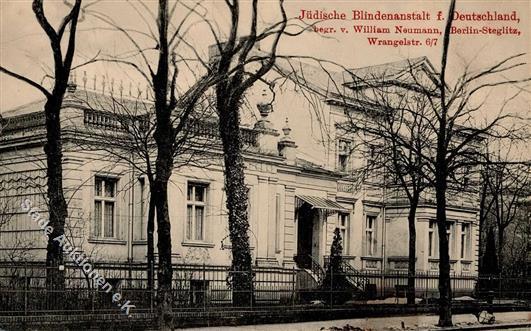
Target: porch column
x,y
290,239
271,221
265,254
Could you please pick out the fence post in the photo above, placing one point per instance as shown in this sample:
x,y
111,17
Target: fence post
x,y
499,287
25,288
293,286
94,291
252,286
331,287
152,289
204,288
426,284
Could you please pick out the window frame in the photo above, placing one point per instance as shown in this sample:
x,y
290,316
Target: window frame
x,y
432,238
142,207
370,245
343,151
194,204
344,229
103,200
450,237
464,251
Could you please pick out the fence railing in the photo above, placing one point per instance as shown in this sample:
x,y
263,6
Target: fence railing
x,y
23,288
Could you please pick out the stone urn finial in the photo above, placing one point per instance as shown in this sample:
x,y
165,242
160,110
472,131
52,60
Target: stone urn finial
x,y
286,146
264,105
71,85
84,80
286,129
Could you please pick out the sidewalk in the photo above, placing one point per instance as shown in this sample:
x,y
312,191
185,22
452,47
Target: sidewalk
x,y
419,322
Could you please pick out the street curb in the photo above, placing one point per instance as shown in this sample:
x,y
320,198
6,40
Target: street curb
x,y
237,317
488,326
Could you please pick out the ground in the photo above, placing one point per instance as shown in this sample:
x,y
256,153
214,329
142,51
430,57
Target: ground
x,y
418,322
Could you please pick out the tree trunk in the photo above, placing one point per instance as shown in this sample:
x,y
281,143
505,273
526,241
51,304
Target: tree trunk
x,y
150,242
57,206
164,166
241,276
501,242
482,217
445,291
412,257
164,276
164,139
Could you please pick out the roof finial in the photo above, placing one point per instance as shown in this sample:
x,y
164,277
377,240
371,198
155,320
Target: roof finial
x,y
84,79
286,145
94,81
130,87
103,84
286,129
112,86
71,85
121,88
138,90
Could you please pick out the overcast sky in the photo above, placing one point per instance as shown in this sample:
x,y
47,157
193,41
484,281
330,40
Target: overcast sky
x,y
24,49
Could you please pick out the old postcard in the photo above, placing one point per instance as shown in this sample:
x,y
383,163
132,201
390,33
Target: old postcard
x,y
265,165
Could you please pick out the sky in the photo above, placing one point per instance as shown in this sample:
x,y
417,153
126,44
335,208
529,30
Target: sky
x,y
25,50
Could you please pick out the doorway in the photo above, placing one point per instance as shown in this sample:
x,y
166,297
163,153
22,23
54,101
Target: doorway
x,y
306,236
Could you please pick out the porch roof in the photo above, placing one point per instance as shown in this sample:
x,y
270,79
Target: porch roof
x,y
320,203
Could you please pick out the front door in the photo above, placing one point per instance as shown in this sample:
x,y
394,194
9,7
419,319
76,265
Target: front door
x,y
304,236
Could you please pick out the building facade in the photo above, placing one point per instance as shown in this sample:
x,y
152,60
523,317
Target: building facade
x,y
297,173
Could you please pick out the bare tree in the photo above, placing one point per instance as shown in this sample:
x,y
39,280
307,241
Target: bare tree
x,y
173,108
459,137
232,65
393,119
507,186
128,139
63,47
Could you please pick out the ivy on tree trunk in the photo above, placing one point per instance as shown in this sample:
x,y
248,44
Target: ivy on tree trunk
x,y
241,277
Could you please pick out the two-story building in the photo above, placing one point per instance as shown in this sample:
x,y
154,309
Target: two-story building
x,y
297,172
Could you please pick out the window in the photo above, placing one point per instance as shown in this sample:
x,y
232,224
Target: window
x,y
104,207
449,228
431,238
467,173
342,225
342,163
195,211
142,215
465,235
344,149
370,240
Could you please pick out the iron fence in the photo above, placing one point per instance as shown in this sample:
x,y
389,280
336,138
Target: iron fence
x,y
203,287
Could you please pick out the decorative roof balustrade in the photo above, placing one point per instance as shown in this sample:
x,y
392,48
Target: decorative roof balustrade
x,y
23,122
102,121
